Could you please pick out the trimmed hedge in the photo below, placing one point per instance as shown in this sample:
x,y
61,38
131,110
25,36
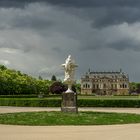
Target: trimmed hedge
x,y
49,102
29,96
30,102
108,103
18,96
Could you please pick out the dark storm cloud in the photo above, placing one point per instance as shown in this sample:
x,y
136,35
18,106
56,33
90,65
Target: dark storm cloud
x,y
102,13
18,3
13,3
33,22
94,3
113,16
125,44
72,3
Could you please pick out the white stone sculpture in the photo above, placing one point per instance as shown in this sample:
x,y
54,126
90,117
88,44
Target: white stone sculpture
x,y
69,67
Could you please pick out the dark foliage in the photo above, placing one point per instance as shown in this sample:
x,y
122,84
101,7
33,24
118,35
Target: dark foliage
x,y
53,78
52,102
57,88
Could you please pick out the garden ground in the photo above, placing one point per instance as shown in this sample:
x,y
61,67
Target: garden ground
x,y
106,132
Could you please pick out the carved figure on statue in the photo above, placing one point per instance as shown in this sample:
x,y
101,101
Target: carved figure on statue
x,y
69,68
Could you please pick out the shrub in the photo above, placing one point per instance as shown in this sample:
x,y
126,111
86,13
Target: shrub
x,y
22,102
55,102
57,88
108,103
19,96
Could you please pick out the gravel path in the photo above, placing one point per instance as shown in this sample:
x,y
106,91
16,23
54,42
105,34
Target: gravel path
x,y
8,109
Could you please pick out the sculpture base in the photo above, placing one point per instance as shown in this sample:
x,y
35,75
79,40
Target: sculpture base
x,y
69,109
69,102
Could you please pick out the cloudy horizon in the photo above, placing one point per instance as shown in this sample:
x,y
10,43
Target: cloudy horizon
x,y
36,36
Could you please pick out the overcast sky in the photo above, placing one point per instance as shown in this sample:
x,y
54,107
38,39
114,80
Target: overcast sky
x,y
36,36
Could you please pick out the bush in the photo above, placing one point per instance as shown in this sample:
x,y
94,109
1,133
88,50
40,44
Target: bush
x,y
22,102
108,103
14,82
57,88
54,102
18,96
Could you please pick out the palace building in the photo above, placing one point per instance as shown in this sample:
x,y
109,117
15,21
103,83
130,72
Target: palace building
x,y
105,83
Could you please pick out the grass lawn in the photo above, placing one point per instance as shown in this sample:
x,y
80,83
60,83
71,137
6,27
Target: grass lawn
x,y
109,97
59,118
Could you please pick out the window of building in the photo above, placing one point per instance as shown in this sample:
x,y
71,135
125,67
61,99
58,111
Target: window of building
x,y
125,85
104,85
86,85
97,86
112,86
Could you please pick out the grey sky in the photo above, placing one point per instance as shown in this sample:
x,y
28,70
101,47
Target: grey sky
x,y
37,35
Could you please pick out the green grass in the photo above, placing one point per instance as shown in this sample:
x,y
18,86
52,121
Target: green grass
x,y
108,97
59,118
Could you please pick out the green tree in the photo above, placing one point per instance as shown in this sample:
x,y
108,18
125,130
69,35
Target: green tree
x,y
57,88
138,88
78,87
53,78
133,87
40,78
14,82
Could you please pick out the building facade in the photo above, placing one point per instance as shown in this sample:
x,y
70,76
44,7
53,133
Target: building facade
x,y
105,83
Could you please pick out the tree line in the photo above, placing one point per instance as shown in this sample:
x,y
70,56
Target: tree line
x,y
134,88
14,82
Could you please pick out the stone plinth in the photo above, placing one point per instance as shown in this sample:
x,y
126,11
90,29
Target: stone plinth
x,y
69,102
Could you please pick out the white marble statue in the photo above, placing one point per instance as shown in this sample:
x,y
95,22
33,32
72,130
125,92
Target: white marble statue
x,y
69,67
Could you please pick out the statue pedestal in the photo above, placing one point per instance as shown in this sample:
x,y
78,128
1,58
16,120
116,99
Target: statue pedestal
x,y
69,102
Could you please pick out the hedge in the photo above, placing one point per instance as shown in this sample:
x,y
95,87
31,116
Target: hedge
x,y
49,102
28,96
30,102
18,96
108,103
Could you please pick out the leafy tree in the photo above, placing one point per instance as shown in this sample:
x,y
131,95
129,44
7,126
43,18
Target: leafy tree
x,y
14,82
138,87
2,67
40,78
78,87
57,88
53,78
133,87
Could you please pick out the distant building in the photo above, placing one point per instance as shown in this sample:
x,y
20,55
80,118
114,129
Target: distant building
x,y
105,83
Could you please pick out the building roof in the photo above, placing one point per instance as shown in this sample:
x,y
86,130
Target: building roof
x,y
106,72
109,74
